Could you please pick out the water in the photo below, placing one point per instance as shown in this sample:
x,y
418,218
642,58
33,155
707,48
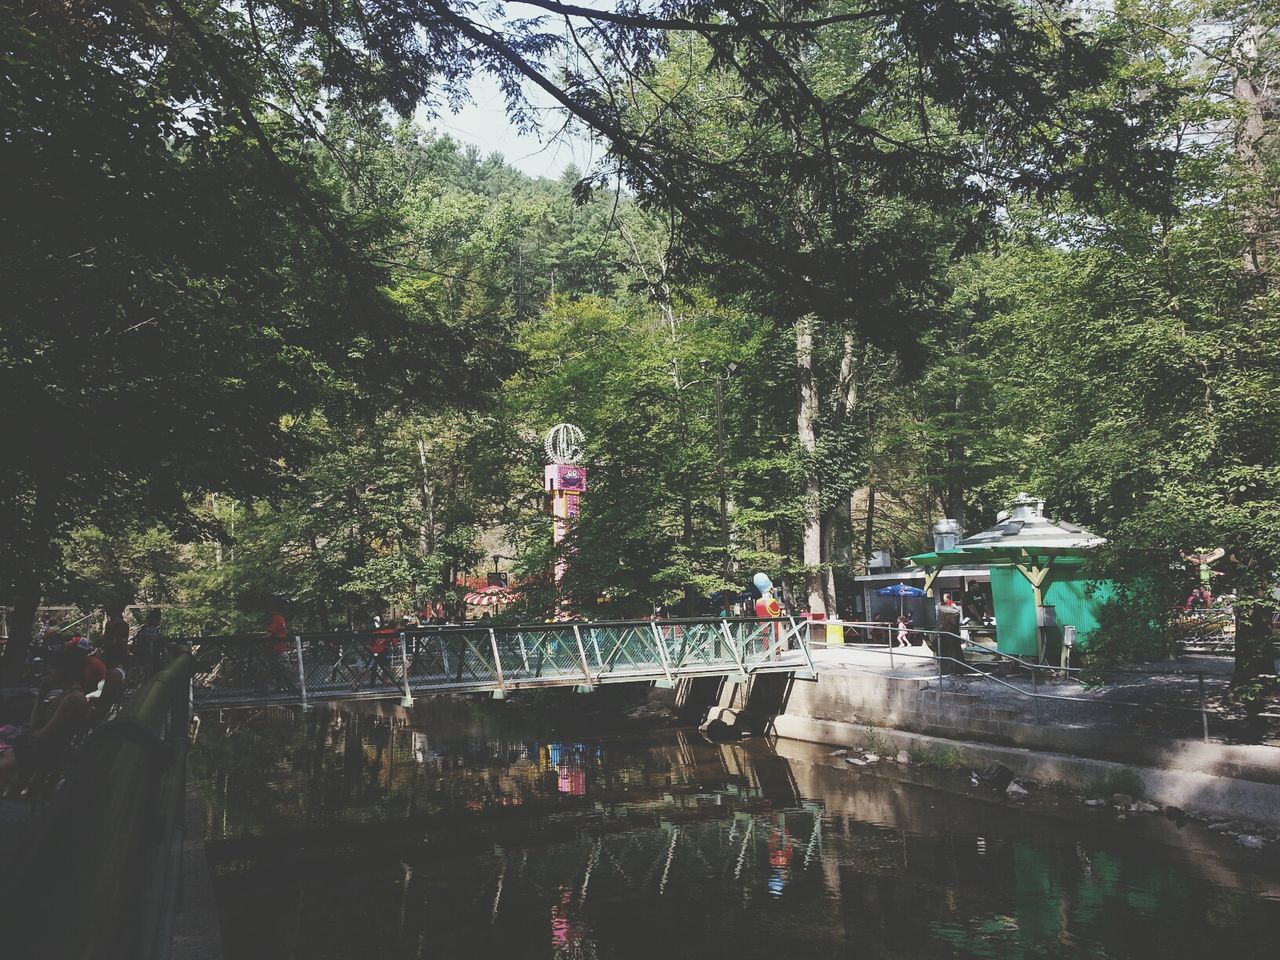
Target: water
x,y
464,830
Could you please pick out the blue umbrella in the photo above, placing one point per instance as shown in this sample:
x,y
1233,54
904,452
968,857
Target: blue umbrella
x,y
900,590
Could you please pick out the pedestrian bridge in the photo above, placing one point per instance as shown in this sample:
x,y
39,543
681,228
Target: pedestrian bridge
x,y
474,658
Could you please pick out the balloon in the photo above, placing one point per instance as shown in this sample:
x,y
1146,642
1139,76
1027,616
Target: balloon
x,y
762,583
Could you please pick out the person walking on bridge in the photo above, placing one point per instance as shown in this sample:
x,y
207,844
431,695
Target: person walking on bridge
x,y
278,642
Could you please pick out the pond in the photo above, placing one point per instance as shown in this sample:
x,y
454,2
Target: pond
x,y
465,829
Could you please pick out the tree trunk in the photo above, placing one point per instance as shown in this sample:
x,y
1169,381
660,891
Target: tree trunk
x,y
828,527
869,530
806,430
1249,92
34,555
953,499
1254,653
426,506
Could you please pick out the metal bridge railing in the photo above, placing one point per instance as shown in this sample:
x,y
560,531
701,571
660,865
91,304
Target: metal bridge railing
x,y
479,657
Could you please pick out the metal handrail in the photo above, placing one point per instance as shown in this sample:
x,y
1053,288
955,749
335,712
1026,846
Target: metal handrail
x,y
1036,695
488,658
480,625
99,876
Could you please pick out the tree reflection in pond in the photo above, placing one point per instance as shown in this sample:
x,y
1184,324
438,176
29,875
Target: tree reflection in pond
x,y
462,830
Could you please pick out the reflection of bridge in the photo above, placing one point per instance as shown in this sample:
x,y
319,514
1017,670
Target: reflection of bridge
x,y
235,671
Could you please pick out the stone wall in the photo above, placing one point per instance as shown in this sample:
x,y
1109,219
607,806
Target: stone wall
x,y
839,706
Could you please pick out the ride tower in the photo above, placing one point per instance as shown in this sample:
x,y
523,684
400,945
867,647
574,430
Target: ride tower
x,y
565,482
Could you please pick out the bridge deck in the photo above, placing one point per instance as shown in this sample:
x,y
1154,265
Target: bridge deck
x,y
235,671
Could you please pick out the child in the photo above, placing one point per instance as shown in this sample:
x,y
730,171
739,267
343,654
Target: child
x,y
903,640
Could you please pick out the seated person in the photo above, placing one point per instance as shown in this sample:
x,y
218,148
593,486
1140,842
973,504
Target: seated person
x,y
112,691
61,712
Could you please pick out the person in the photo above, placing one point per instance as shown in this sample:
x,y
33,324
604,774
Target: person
x,y
949,644
377,663
112,685
1201,599
278,633
903,639
148,645
278,643
95,671
975,605
115,634
61,711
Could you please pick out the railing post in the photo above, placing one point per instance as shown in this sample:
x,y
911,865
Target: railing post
x,y
407,699
891,643
1204,715
501,692
804,642
938,657
662,652
733,650
302,673
582,653
1035,687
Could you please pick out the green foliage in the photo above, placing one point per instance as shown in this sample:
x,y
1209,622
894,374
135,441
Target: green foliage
x,y
938,757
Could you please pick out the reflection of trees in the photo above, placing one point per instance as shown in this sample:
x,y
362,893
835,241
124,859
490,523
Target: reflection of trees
x,y
264,770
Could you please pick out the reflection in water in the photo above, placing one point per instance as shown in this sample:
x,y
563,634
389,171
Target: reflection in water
x,y
460,831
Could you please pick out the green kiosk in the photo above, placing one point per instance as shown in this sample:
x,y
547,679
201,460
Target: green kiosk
x,y
1042,602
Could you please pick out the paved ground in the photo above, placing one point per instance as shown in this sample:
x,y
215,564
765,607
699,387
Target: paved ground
x,y
1160,698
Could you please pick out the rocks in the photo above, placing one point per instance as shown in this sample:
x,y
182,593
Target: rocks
x,y
871,757
1250,840
718,731
1142,806
837,753
855,761
903,758
1015,791
1122,800
1095,803
1223,826
998,776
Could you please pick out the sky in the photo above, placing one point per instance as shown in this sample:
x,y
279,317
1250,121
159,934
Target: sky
x,y
484,122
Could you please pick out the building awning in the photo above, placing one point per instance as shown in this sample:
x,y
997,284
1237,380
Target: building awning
x,y
919,573
1025,539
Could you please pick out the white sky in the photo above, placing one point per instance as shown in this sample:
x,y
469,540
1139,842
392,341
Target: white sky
x,y
484,123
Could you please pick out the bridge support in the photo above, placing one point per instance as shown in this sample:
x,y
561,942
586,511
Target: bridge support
x,y
407,700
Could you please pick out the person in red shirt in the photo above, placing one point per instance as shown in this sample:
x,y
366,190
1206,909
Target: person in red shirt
x,y
278,633
95,671
278,640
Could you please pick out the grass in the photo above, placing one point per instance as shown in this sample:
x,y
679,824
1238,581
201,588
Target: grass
x,y
873,741
937,757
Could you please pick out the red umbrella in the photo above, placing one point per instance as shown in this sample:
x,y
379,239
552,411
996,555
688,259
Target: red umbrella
x,y
491,596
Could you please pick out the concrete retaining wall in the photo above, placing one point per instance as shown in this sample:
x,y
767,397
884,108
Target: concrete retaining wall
x,y
1235,781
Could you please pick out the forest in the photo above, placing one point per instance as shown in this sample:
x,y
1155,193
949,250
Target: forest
x,y
842,268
